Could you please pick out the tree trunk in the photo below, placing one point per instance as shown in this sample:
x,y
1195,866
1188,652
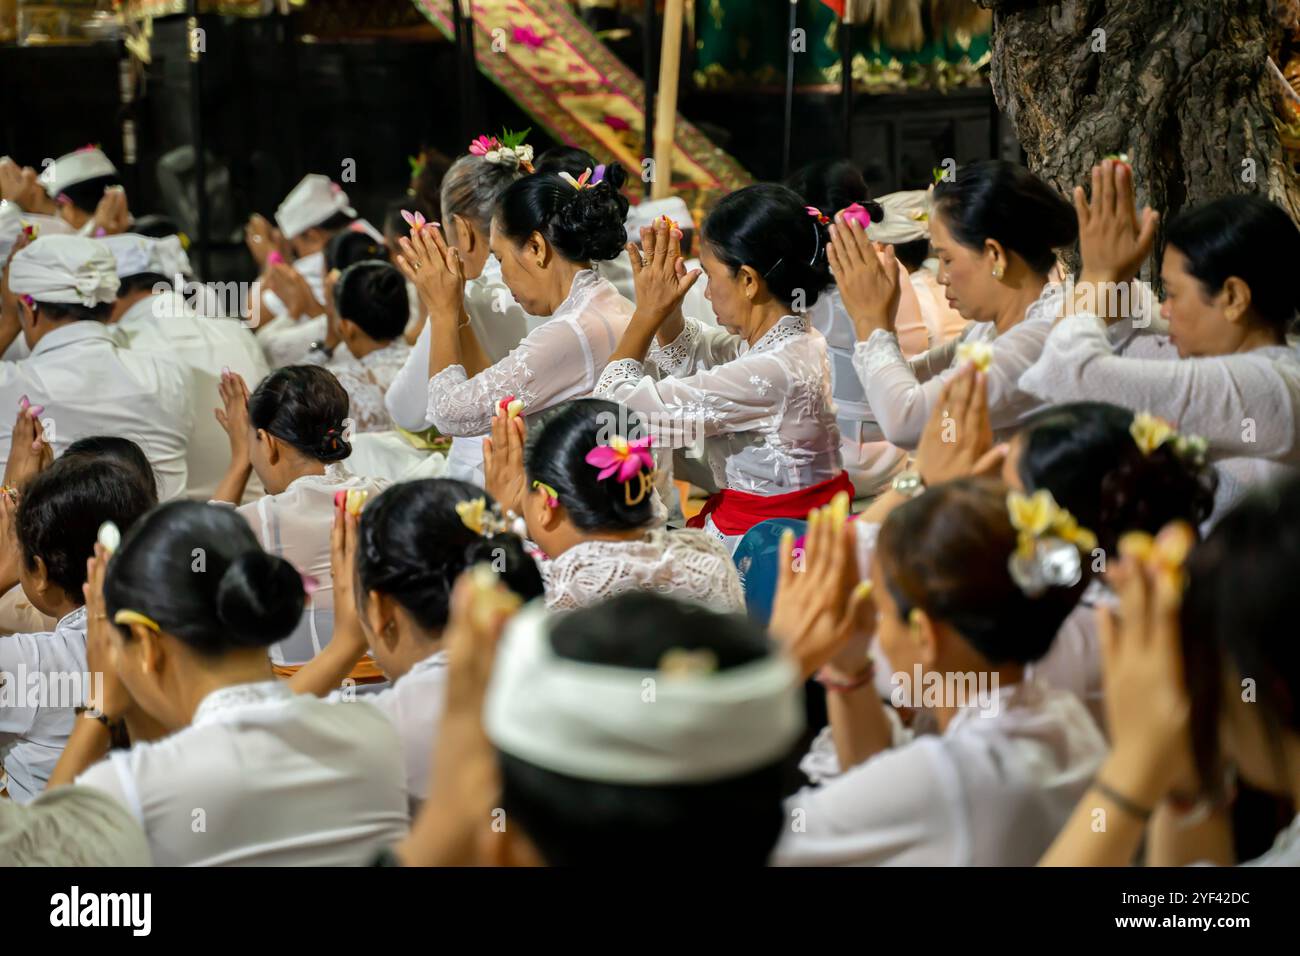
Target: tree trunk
x,y
1181,86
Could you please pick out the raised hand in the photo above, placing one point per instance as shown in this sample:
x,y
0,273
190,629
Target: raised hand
x,y
233,414
958,440
111,214
29,452
436,270
107,694
659,271
869,282
262,239
503,462
1114,240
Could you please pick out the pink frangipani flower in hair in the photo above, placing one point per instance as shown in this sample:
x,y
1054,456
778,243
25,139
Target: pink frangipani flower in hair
x,y
626,459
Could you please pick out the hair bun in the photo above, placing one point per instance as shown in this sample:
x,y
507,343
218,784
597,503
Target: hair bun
x,y
590,224
259,599
334,447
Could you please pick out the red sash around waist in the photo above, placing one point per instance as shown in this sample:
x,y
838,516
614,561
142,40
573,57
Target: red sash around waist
x,y
735,512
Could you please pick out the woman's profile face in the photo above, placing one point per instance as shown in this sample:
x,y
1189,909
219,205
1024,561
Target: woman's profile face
x,y
1198,322
522,275
724,291
966,275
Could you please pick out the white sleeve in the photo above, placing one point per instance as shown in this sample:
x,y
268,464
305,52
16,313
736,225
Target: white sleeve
x,y
407,399
18,655
697,347
890,809
738,396
902,402
550,366
498,321
1243,405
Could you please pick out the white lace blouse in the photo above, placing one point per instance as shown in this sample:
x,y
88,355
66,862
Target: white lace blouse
x,y
499,323
558,361
763,416
688,564
901,393
366,380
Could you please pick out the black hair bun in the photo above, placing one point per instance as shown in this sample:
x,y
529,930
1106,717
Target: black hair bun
x,y
590,224
259,599
334,447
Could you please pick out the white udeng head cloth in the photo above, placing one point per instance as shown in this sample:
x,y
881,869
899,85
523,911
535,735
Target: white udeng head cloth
x,y
907,217
602,723
71,269
76,167
310,203
136,255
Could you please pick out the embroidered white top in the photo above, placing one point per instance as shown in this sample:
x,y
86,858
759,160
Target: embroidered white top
x,y
366,380
497,319
90,386
35,671
295,525
993,789
686,564
264,777
764,415
557,361
413,704
165,325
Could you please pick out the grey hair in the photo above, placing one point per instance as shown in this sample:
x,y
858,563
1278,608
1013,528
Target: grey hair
x,y
472,188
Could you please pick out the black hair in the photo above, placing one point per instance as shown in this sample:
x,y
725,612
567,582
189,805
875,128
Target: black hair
x,y
123,451
1000,200
564,159
582,224
832,185
86,195
61,509
337,221
305,406
1085,455
142,282
556,451
946,552
351,246
767,228
912,254
1249,237
198,572
63,311
1237,609
155,226
413,546
373,295
573,821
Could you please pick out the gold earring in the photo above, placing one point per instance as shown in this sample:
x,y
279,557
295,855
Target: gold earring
x,y
997,272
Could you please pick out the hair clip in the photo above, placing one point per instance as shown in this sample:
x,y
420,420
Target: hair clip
x,y
1049,543
351,500
109,537
415,220
1151,432
626,460
552,496
817,214
127,617
475,515
979,354
857,213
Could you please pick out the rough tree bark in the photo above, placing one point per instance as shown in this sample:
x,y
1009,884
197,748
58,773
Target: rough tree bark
x,y
1182,86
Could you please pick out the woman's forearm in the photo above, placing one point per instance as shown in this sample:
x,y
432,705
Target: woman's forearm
x,y
859,726
232,485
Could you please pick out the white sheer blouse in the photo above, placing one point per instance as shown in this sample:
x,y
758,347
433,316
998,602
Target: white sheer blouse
x,y
688,564
558,361
499,323
763,416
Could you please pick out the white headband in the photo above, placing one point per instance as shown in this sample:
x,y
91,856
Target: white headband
x,y
620,725
89,162
136,255
313,201
65,269
907,218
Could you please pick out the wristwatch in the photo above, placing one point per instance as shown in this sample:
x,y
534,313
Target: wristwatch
x,y
908,483
322,348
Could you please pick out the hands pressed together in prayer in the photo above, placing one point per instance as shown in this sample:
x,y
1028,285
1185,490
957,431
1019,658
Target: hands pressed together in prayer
x,y
1114,239
436,271
503,462
662,280
869,278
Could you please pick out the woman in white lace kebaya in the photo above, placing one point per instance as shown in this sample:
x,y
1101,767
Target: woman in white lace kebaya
x,y
471,190
754,395
584,484
290,431
394,567
368,317
994,229
1229,300
547,231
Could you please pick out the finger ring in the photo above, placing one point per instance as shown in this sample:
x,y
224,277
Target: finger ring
x,y
101,617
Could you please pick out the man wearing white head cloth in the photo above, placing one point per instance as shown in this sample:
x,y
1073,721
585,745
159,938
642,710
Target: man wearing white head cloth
x,y
640,725
86,187
156,313
313,212
65,287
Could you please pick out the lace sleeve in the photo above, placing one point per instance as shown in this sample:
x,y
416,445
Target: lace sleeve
x,y
697,347
550,366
